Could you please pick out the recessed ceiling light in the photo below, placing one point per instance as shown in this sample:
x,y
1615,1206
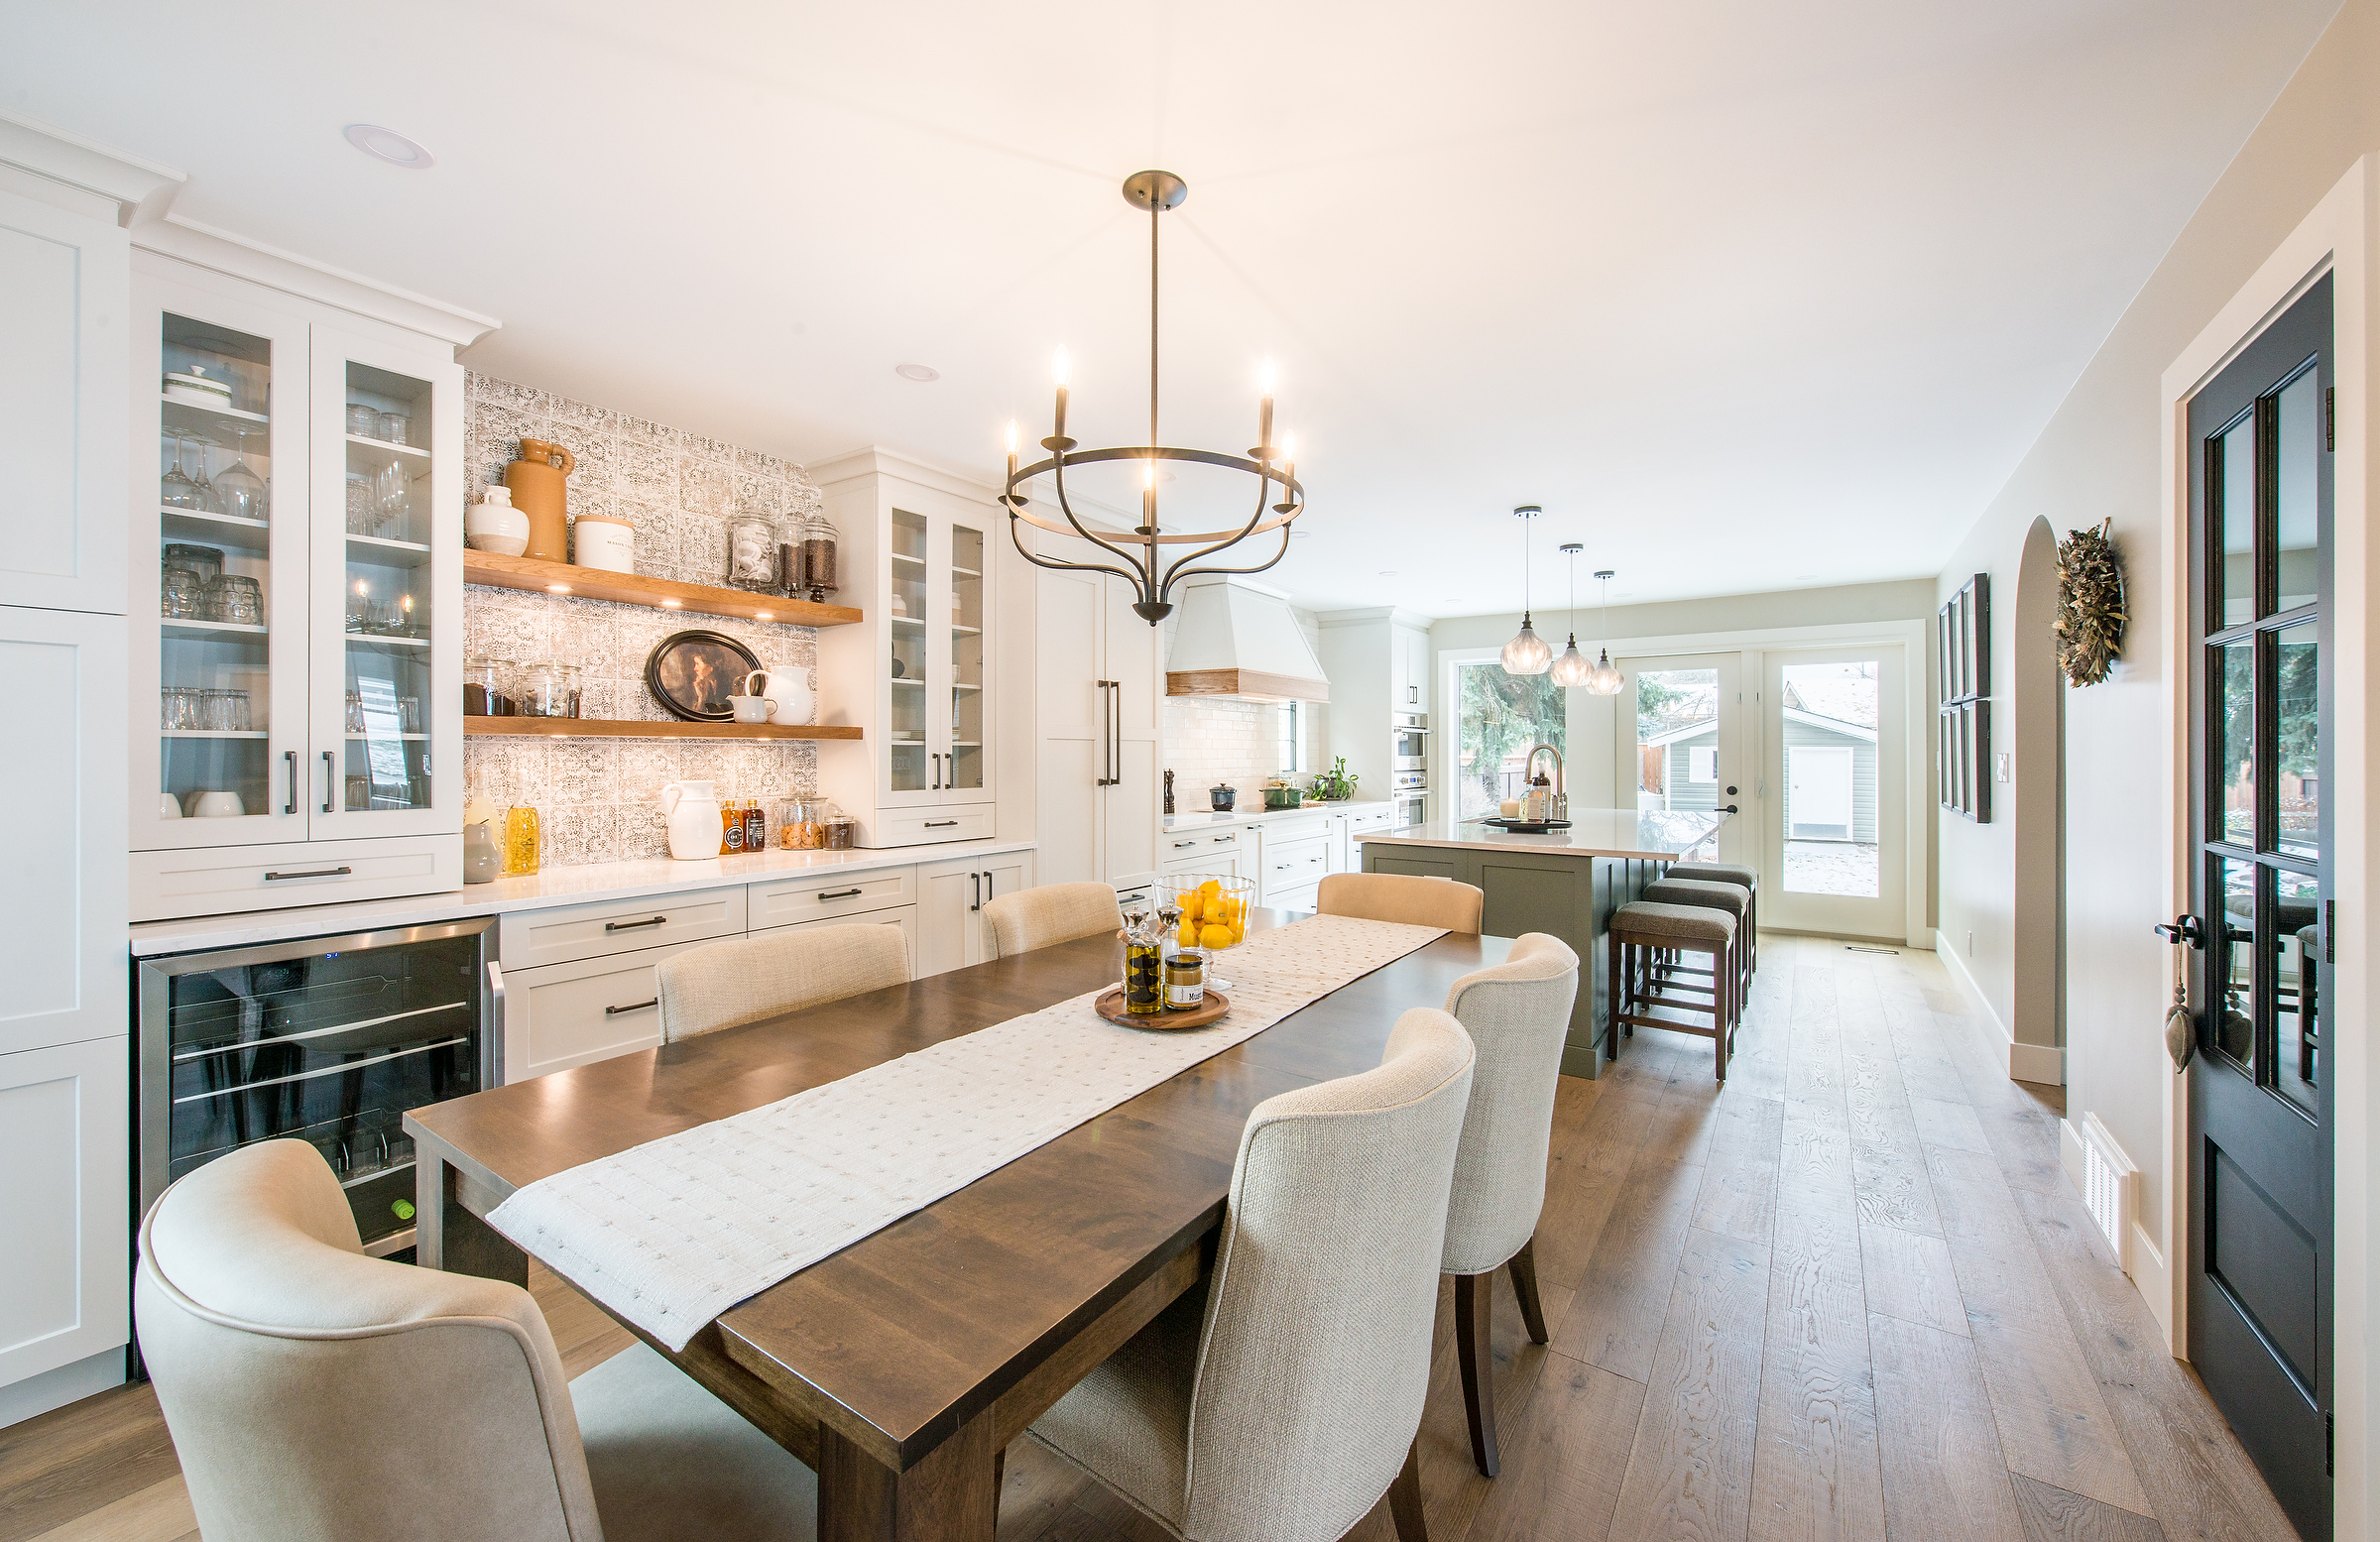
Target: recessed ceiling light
x,y
920,373
1387,572
390,146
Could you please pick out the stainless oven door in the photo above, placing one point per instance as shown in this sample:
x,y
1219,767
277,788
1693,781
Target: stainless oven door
x,y
1411,809
1410,742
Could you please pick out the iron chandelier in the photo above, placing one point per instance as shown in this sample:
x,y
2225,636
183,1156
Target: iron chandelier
x,y
1141,552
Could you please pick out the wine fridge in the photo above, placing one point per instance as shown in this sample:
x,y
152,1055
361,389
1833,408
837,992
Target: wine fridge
x,y
327,1040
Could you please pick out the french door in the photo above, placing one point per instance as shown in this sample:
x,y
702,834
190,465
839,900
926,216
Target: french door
x,y
1689,749
2260,1095
1834,789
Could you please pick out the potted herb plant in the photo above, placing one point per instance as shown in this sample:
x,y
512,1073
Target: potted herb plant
x,y
1337,784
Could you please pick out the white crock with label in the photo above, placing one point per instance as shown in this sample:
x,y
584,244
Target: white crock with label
x,y
690,811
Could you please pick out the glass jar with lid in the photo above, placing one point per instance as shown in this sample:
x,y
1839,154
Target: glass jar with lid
x,y
752,553
819,568
798,826
549,690
488,688
836,828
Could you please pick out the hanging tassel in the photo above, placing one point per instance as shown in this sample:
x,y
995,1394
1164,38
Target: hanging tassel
x,y
2180,1030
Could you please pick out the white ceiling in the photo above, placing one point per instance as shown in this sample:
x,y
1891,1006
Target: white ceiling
x,y
1748,296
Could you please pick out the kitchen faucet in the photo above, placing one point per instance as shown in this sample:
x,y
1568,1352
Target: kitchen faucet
x,y
1530,770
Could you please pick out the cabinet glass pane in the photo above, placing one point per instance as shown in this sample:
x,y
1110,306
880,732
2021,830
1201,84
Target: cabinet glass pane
x,y
966,765
216,492
2297,657
2231,1018
2298,989
2297,459
910,763
2231,479
386,764
2234,668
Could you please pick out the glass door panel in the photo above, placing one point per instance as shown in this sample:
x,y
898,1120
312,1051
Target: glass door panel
x,y
1836,759
908,756
1682,743
962,767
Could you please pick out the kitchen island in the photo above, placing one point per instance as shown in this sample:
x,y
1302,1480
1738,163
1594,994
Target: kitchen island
x,y
1564,882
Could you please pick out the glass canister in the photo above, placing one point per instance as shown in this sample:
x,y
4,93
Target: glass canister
x,y
547,689
752,553
836,829
800,827
488,688
819,569
520,840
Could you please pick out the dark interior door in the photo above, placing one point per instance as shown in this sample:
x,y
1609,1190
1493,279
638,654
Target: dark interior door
x,y
2260,1094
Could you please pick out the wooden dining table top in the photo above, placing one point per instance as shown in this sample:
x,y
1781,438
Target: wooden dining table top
x,y
900,1339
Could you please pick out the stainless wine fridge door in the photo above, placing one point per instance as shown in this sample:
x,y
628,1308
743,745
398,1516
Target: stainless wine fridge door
x,y
327,1040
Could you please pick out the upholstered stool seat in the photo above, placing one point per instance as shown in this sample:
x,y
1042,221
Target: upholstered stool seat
x,y
1736,901
1643,935
1743,878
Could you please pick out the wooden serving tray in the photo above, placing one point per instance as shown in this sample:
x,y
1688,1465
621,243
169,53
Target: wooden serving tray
x,y
1111,1006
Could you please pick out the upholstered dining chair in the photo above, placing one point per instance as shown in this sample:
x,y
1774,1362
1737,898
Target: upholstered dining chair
x,y
1399,896
313,1391
1044,918
1518,1016
1282,1403
721,985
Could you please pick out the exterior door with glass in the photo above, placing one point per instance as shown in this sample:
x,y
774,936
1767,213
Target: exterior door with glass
x,y
1682,742
1835,788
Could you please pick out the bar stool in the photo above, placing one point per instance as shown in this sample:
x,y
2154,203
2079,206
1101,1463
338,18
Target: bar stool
x,y
1738,903
1743,878
1640,933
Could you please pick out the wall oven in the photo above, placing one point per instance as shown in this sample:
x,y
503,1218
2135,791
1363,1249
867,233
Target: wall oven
x,y
329,1040
1409,806
1410,747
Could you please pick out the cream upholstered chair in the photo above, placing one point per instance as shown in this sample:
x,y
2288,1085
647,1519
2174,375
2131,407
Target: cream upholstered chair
x,y
314,1392
1281,1406
1397,896
1518,1016
1044,918
746,979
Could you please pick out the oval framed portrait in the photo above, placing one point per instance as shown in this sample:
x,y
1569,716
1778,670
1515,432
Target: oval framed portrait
x,y
692,673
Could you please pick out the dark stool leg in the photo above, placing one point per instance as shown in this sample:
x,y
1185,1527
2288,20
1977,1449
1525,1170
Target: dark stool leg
x,y
1473,1303
1523,1266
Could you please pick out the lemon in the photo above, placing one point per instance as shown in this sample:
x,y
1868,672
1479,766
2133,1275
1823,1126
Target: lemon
x,y
1188,935
1215,938
1211,889
1192,906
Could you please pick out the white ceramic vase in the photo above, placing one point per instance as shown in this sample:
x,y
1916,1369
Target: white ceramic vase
x,y
691,813
494,524
788,689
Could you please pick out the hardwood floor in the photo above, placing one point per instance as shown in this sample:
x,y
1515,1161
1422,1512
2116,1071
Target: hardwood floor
x,y
1848,1296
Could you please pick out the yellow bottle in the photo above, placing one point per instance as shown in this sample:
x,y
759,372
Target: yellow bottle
x,y
520,840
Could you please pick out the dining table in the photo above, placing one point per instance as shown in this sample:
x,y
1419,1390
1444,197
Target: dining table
x,y
900,1368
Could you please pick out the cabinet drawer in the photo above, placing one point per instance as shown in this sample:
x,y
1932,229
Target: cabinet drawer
x,y
575,1013
1371,818
225,880
1303,899
925,826
530,939
905,917
1284,862
1281,832
818,896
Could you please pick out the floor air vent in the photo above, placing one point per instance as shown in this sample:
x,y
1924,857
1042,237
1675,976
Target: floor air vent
x,y
1853,947
2107,1187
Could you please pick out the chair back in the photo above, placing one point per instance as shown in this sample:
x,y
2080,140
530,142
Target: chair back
x,y
1400,897
1315,1355
1044,918
721,985
1517,1014
313,1391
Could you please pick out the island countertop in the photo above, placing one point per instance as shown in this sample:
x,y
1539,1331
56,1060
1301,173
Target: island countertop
x,y
1657,834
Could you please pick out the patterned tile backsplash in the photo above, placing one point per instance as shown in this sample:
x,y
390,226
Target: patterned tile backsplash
x,y
599,800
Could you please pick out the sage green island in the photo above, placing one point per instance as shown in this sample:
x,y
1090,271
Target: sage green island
x,y
1564,882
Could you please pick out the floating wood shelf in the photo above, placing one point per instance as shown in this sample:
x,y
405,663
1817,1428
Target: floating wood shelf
x,y
605,728
594,583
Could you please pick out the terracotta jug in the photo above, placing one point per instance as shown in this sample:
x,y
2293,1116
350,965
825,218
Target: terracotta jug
x,y
536,480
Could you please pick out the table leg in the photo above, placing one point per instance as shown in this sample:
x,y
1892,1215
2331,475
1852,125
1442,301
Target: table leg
x,y
447,1236
950,1497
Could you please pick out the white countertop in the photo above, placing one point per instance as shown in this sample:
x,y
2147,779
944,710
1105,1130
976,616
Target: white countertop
x,y
1593,832
1203,820
578,884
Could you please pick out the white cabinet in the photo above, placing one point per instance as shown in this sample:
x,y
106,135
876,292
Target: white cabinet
x,y
533,939
1348,826
919,554
1097,703
65,1146
950,908
311,683
1378,661
1409,650
1293,857
559,1015
1214,852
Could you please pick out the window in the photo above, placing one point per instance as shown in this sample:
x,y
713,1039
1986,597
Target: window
x,y
1292,753
1503,716
1702,762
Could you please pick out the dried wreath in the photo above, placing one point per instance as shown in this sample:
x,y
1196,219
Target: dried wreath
x,y
2091,604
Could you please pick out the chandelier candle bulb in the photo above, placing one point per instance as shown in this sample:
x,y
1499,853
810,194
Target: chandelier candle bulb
x,y
1061,367
1264,413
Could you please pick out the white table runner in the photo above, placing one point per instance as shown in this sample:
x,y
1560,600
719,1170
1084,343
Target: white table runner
x,y
672,1232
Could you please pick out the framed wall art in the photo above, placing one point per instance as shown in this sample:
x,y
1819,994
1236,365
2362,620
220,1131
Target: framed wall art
x,y
1963,741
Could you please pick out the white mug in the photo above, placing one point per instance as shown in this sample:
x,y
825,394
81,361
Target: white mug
x,y
751,709
216,805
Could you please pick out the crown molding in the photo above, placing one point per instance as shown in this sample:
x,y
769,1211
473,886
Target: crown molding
x,y
892,462
177,236
134,188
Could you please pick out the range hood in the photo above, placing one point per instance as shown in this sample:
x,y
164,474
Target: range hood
x,y
1238,640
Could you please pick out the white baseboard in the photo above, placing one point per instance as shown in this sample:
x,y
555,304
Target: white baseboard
x,y
2043,1063
2146,1264
54,1388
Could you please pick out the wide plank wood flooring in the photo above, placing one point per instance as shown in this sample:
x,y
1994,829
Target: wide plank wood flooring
x,y
1850,1297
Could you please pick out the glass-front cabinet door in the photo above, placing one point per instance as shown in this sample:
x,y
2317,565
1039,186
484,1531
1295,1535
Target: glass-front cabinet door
x,y
221,488
387,678
938,612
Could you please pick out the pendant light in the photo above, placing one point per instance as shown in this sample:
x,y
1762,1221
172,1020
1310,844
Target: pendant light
x,y
1572,668
1528,652
1603,679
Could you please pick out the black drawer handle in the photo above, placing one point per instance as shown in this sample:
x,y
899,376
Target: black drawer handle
x,y
658,921
940,824
1223,840
839,893
275,877
1178,844
614,1011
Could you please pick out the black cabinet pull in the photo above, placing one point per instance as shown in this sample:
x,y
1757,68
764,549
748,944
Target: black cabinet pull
x,y
940,824
292,756
330,779
975,885
837,894
275,877
658,921
614,1011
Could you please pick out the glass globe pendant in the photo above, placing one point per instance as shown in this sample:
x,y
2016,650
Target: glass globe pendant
x,y
1572,668
1603,679
1528,652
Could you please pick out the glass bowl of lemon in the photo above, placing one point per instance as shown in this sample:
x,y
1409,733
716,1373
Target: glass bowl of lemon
x,y
1214,911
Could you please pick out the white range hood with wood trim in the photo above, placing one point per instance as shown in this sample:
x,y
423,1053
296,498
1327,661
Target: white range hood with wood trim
x,y
1238,640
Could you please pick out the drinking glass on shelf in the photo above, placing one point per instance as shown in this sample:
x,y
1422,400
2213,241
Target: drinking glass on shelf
x,y
362,420
173,708
237,599
394,426
181,595
409,714
209,500
239,490
389,502
355,712
236,717
359,503
359,791
175,489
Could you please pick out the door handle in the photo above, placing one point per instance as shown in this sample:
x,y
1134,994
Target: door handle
x,y
292,756
330,779
275,877
2185,930
975,887
837,894
937,760
614,1011
658,921
1730,810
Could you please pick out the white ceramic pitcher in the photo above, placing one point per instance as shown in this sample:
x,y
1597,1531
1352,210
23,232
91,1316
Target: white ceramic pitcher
x,y
788,689
691,810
